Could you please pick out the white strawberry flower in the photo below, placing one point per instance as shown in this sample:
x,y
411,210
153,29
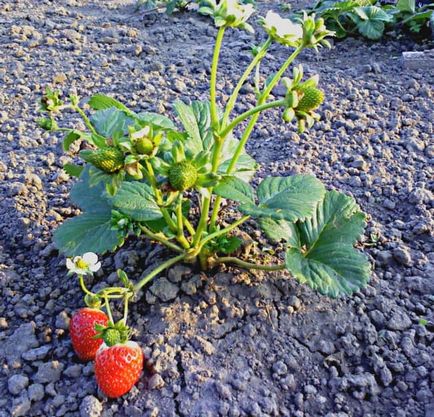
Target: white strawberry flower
x,y
83,265
228,13
282,30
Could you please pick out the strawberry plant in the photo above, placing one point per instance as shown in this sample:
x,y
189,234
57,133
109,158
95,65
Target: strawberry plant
x,y
370,18
142,175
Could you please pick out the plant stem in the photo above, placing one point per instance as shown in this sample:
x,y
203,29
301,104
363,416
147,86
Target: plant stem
x,y
107,306
161,239
261,101
157,270
250,127
85,119
251,112
222,231
159,197
233,98
180,224
189,226
126,300
213,80
202,221
249,265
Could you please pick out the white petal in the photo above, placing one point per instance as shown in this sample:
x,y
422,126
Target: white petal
x,y
90,258
95,267
69,264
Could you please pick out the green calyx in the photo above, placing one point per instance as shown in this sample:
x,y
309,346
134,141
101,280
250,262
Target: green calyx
x,y
312,99
92,300
108,159
113,334
182,175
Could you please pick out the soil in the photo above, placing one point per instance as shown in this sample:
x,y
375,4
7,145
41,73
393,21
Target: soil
x,y
229,343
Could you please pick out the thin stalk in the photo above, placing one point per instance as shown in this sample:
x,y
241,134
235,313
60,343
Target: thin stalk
x,y
107,306
180,224
85,119
215,213
233,98
124,319
161,239
251,112
157,270
159,197
83,286
222,231
202,221
189,226
249,265
213,79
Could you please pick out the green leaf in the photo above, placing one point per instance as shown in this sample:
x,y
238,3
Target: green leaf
x,y
371,29
325,259
278,230
73,170
88,196
235,189
88,232
136,200
111,122
290,198
406,5
156,119
196,120
246,166
102,102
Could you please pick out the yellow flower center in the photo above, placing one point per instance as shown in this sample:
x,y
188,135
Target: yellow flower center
x,y
81,264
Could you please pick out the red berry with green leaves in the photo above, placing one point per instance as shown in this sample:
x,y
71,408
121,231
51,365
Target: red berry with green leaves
x,y
82,331
118,368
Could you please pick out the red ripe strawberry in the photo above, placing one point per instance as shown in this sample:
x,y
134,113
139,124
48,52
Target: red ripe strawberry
x,y
118,368
82,331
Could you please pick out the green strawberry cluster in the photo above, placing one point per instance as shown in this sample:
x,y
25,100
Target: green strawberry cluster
x,y
108,159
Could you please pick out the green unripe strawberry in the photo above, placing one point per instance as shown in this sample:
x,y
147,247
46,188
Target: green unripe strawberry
x,y
311,99
107,159
182,175
144,146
